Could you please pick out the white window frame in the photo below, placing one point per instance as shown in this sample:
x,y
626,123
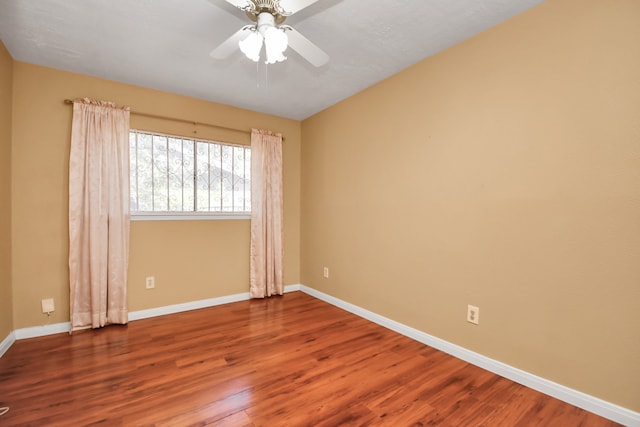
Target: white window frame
x,y
188,215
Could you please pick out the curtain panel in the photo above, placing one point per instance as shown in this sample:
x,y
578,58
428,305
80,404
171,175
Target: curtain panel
x,y
267,236
98,214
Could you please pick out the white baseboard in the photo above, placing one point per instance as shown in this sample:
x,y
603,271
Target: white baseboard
x,y
57,328
194,305
7,342
187,306
41,331
592,404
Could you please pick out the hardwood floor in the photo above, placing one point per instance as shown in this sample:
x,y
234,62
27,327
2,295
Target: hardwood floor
x,y
285,361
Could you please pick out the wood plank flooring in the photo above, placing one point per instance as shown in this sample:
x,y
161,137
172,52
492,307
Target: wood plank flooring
x,y
284,361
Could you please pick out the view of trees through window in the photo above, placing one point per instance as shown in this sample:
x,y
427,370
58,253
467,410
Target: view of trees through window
x,y
180,175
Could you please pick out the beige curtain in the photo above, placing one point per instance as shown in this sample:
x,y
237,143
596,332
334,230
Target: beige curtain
x,y
267,250
98,214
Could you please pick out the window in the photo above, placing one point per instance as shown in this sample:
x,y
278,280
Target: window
x,y
175,177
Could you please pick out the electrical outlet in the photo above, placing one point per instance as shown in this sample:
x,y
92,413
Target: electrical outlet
x,y
150,282
473,314
325,272
48,306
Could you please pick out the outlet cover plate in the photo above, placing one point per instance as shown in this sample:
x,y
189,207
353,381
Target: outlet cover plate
x,y
48,305
150,282
473,314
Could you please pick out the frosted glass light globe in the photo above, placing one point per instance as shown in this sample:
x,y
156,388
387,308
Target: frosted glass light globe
x,y
252,45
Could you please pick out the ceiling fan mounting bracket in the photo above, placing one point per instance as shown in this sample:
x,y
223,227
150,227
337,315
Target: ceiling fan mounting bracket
x,y
271,7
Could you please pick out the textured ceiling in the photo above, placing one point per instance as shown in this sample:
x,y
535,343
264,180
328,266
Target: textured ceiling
x,y
165,45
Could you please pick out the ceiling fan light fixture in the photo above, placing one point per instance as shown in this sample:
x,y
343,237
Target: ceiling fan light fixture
x,y
276,42
268,30
252,45
265,33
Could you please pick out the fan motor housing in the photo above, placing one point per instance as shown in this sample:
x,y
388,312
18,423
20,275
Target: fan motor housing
x,y
269,6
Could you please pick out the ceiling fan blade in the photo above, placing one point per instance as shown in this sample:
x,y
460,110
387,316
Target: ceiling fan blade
x,y
240,4
292,6
230,45
306,49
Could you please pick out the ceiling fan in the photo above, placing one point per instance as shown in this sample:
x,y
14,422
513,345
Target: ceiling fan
x,y
268,29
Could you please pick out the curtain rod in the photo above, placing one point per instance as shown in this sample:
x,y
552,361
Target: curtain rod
x,y
155,116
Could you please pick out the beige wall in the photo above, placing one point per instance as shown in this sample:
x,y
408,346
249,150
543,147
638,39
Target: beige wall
x,y
6,81
503,173
191,260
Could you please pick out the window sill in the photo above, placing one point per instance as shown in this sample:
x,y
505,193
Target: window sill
x,y
199,216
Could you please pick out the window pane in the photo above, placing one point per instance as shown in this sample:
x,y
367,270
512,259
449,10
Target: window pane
x,y
247,177
133,185
144,171
172,174
238,179
188,170
227,178
202,180
215,187
176,178
160,171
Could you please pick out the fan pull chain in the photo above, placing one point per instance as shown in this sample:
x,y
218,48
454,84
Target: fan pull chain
x,y
257,74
